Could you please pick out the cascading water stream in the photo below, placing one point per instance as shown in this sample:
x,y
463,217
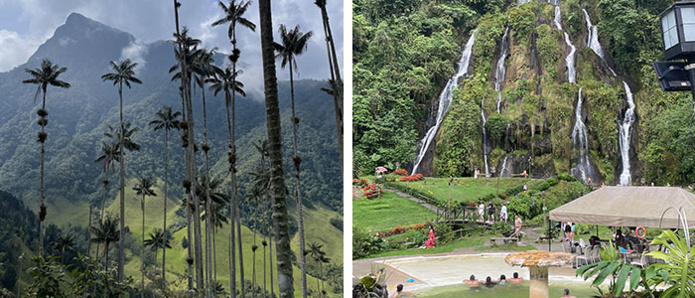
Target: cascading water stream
x,y
485,137
504,166
580,142
628,119
569,60
501,70
445,99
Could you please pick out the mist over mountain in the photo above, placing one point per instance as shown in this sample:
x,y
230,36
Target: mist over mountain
x,y
78,117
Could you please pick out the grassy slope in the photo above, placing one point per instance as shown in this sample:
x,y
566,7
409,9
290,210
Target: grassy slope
x,y
389,211
317,226
468,189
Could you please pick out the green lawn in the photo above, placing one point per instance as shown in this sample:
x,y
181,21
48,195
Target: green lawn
x,y
387,212
466,189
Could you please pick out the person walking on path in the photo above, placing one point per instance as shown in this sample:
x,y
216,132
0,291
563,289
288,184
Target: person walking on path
x,y
503,213
517,226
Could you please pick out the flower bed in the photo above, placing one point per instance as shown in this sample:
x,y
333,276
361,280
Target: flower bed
x,y
411,178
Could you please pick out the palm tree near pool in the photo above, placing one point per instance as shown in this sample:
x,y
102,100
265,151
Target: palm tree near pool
x,y
144,189
165,120
272,108
43,76
106,232
124,73
234,14
294,43
158,239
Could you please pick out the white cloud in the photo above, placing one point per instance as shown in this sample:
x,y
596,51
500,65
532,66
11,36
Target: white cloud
x,y
136,52
15,50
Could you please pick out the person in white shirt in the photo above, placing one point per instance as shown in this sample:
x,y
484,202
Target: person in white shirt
x,y
503,213
481,211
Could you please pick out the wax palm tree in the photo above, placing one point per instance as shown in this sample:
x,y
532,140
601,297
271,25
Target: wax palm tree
x,y
165,120
144,189
234,14
283,251
124,73
203,67
158,239
294,43
63,243
318,254
43,76
106,232
217,200
226,81
336,82
110,154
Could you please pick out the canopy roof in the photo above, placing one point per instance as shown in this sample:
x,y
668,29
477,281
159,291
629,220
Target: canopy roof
x,y
629,206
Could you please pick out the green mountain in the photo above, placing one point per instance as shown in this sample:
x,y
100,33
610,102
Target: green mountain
x,y
564,87
79,116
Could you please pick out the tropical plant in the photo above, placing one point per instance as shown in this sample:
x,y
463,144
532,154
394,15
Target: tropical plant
x,y
43,76
106,232
234,14
159,239
64,242
611,265
144,189
111,153
124,73
165,120
277,179
294,43
319,255
678,271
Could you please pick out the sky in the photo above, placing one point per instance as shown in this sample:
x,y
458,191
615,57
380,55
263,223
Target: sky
x,y
26,24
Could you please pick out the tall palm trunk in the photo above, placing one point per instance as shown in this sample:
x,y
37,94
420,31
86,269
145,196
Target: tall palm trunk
x,y
106,254
265,264
232,173
89,230
42,209
285,278
142,267
335,76
235,198
166,176
121,240
271,233
297,162
208,208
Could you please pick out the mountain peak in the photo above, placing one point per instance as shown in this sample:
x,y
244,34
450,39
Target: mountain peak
x,y
97,43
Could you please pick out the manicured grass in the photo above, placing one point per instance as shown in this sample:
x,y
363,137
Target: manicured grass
x,y
387,212
465,189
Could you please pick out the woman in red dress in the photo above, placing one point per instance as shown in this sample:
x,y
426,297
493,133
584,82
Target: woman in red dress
x,y
430,242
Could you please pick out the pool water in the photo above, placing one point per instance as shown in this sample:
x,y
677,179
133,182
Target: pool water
x,y
506,291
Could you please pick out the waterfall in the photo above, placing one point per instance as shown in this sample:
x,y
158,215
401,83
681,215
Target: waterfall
x,y
592,39
501,70
485,137
504,166
580,142
445,99
628,119
569,60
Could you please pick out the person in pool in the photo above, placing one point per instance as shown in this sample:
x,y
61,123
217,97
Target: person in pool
x,y
400,293
472,282
516,279
489,283
567,294
502,280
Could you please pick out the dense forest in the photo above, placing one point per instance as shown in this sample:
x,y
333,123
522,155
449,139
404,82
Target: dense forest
x,y
519,84
174,128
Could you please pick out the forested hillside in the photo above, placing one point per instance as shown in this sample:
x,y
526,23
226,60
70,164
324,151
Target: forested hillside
x,y
530,62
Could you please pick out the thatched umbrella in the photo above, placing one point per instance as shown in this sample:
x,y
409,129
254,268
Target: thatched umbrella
x,y
538,262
